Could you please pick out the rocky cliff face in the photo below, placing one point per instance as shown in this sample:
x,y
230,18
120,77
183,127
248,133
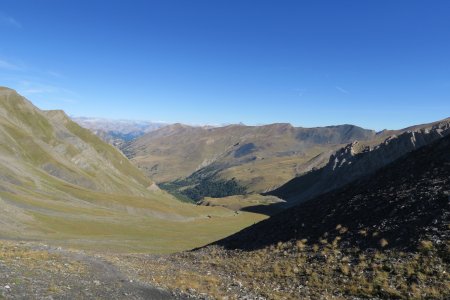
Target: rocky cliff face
x,y
359,159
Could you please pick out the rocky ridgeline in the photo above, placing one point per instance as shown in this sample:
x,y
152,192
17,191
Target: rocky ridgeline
x,y
359,159
392,148
397,206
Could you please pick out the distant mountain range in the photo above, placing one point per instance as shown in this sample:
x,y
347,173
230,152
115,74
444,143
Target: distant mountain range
x,y
292,163
117,132
235,159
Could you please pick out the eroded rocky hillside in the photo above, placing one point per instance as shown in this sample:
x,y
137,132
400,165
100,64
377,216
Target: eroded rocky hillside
x,y
399,205
361,158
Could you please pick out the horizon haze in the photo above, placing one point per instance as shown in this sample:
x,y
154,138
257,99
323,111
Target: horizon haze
x,y
375,65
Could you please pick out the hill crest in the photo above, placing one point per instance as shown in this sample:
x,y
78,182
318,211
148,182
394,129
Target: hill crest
x,y
360,158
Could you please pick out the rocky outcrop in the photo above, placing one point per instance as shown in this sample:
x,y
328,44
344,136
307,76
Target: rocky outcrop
x,y
359,159
401,204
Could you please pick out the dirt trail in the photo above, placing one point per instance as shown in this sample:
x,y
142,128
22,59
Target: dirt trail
x,y
37,271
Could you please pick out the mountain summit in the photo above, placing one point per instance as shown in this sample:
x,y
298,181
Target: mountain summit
x,y
36,142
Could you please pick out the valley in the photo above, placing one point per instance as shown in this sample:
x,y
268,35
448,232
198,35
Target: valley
x,y
225,150
235,159
338,212
384,236
62,184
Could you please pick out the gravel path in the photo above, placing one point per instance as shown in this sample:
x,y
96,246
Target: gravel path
x,y
45,272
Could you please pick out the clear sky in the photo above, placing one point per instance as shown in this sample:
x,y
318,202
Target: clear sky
x,y
377,64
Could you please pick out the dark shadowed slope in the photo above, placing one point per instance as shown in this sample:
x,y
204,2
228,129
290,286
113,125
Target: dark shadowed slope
x,y
359,159
402,203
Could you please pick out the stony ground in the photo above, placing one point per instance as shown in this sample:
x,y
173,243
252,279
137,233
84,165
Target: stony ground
x,y
38,271
292,270
298,270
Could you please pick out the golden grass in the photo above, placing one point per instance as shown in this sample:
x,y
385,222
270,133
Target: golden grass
x,y
126,233
60,183
62,213
277,272
36,260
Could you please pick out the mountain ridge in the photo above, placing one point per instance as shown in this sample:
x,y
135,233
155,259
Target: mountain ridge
x,y
403,202
117,132
361,158
257,158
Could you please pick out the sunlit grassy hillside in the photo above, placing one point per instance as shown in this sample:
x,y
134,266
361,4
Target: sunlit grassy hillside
x,y
62,184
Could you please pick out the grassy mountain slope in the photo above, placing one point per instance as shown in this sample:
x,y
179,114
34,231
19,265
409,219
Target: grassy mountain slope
x,y
257,157
60,182
50,142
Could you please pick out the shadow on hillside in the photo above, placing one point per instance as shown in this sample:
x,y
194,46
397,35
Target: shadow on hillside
x,y
399,206
268,209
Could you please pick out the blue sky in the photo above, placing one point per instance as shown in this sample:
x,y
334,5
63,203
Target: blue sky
x,y
376,64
